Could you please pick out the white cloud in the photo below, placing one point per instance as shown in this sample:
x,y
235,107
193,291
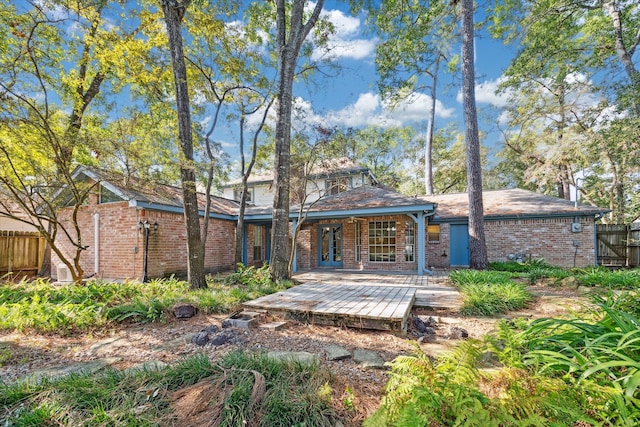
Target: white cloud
x,y
369,109
366,110
486,93
345,42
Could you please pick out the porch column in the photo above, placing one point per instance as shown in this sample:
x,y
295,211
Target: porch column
x,y
420,248
294,231
421,251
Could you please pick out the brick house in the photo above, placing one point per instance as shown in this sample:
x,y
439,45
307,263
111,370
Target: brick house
x,y
124,222
364,228
519,224
372,228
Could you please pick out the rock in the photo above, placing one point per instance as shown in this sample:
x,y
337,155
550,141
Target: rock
x,y
184,311
368,359
151,365
222,338
59,371
423,324
302,357
456,333
426,338
201,339
212,329
570,282
274,326
336,352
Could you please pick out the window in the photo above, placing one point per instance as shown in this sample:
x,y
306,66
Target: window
x,y
337,185
248,197
433,232
108,196
410,241
382,241
257,242
358,242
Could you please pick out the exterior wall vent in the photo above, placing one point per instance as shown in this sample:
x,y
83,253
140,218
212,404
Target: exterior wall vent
x,y
64,275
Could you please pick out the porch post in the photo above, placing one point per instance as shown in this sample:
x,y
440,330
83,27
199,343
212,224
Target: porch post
x,y
294,231
421,251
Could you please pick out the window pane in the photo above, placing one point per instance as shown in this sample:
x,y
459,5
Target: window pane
x,y
409,241
433,232
382,241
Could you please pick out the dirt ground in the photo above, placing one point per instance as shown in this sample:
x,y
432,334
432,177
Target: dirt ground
x,y
22,354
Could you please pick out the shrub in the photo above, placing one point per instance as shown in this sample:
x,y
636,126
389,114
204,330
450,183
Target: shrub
x,y
617,279
486,293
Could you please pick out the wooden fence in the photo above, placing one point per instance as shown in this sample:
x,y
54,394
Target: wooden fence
x,y
618,245
21,253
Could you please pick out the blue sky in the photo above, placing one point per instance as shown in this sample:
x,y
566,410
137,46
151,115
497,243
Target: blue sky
x,y
350,97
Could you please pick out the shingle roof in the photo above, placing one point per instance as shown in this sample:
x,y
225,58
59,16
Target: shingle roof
x,y
132,188
366,197
512,202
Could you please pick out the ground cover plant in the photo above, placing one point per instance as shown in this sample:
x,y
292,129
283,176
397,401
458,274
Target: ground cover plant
x,y
578,371
238,388
486,293
43,307
564,372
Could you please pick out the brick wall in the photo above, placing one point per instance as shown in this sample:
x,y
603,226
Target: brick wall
x,y
438,252
121,244
548,238
307,247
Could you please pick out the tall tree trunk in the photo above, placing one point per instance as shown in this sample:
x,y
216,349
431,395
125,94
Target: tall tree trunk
x,y
174,13
428,149
288,45
477,245
625,53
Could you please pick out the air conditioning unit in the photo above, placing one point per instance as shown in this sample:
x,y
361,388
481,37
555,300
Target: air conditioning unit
x,y
576,227
64,275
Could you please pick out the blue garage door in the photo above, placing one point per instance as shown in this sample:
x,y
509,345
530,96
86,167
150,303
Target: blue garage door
x,y
459,245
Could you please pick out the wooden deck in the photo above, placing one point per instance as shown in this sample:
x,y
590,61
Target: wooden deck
x,y
374,306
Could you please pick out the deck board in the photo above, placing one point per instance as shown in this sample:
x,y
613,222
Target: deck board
x,y
373,307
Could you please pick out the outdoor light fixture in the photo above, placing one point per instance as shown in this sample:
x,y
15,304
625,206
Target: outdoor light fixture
x,y
145,227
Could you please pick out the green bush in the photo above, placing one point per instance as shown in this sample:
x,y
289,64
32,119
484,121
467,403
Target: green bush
x,y
616,279
43,307
452,391
486,293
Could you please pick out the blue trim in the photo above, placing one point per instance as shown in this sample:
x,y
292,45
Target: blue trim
x,y
179,209
420,249
465,219
346,213
294,231
331,253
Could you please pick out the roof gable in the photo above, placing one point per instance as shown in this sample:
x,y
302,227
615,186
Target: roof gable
x,y
151,194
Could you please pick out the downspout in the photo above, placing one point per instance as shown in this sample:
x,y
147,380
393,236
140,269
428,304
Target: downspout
x,y
96,240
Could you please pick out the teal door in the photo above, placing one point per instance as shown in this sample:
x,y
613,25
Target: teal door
x,y
459,245
330,246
